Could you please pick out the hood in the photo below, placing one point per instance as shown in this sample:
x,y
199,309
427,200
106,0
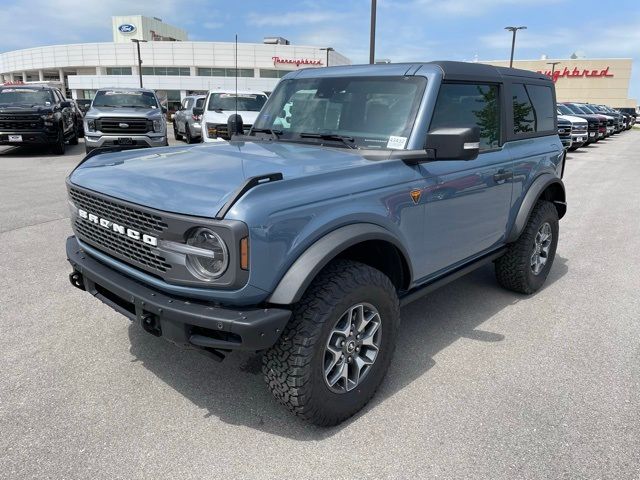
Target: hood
x,y
123,112
198,180
572,119
221,117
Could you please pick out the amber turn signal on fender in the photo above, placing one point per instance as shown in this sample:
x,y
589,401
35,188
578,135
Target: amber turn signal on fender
x,y
244,253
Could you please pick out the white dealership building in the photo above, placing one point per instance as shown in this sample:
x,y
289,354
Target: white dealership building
x,y
171,65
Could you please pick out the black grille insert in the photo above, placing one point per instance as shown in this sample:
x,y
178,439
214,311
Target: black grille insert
x,y
20,122
124,126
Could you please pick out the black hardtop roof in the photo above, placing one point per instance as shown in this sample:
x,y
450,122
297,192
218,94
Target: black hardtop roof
x,y
463,70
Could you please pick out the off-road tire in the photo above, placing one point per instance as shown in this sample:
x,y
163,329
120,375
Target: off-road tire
x,y
59,146
513,269
293,368
176,134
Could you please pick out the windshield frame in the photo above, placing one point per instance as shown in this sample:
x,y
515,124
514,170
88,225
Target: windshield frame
x,y
286,89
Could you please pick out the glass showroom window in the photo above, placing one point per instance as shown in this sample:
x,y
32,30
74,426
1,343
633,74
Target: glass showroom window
x,y
118,70
272,73
224,72
162,71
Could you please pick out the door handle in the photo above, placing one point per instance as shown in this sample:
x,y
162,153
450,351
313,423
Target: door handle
x,y
503,175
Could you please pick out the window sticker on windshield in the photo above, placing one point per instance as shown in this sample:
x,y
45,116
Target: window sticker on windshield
x,y
396,143
18,90
122,93
240,95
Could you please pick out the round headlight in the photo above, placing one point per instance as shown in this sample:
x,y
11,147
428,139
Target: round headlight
x,y
215,258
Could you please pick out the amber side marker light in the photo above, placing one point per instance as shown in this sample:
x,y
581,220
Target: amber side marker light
x,y
244,253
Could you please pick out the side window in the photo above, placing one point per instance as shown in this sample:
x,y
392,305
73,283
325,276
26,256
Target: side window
x,y
532,108
469,105
188,103
200,103
542,100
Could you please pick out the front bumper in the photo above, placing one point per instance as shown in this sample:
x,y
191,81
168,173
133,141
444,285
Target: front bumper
x,y
31,137
180,320
97,140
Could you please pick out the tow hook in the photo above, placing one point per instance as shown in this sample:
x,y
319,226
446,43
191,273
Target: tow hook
x,y
150,324
76,280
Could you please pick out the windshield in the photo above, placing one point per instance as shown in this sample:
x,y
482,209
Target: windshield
x,y
585,109
123,98
564,110
374,112
25,96
246,102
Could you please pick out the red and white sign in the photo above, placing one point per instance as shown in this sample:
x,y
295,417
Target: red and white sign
x,y
296,61
16,82
576,73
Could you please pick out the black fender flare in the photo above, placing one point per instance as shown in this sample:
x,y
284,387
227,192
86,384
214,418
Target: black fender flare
x,y
302,272
532,196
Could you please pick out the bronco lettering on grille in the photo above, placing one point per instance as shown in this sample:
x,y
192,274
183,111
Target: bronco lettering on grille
x,y
122,230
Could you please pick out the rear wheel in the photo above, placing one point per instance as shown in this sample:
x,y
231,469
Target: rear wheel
x,y
74,138
335,351
58,147
176,134
187,133
526,265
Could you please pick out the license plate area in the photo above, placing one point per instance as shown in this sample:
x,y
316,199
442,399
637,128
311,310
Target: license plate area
x,y
15,138
125,141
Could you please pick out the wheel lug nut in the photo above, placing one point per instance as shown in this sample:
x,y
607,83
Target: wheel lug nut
x,y
357,349
342,343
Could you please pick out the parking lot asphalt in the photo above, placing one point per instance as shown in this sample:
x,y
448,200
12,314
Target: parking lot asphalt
x,y
484,383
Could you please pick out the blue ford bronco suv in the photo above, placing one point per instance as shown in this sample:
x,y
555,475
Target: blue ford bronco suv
x,y
357,190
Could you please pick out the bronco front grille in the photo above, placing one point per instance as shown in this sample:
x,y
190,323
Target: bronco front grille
x,y
115,243
124,126
124,246
125,215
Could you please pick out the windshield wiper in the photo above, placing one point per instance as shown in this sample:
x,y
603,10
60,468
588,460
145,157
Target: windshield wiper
x,y
346,141
275,134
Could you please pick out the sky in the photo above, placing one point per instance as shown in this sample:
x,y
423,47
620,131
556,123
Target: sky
x,y
407,30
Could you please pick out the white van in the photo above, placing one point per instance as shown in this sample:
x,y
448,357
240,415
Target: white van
x,y
220,104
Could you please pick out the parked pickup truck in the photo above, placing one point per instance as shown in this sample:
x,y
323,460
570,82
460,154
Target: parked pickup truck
x,y
38,115
125,118
357,190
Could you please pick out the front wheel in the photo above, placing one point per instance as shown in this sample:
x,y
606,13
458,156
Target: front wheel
x,y
527,263
335,351
74,138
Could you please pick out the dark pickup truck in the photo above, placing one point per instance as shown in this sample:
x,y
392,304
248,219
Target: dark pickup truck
x,y
37,115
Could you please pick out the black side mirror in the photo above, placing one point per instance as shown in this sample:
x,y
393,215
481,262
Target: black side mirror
x,y
65,104
198,110
164,109
454,143
234,125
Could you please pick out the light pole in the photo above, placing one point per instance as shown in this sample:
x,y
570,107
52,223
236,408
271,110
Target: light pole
x,y
513,41
137,42
553,67
372,37
328,49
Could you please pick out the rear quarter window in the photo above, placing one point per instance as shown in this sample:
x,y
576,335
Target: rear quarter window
x,y
532,109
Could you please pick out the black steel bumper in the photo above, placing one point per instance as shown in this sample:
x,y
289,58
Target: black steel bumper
x,y
179,320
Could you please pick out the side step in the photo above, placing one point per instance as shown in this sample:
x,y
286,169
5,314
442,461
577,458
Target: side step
x,y
422,290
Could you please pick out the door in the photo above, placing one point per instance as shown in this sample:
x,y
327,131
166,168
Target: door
x,y
467,207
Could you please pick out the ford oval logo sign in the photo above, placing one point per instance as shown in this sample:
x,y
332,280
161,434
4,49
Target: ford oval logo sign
x,y
127,28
